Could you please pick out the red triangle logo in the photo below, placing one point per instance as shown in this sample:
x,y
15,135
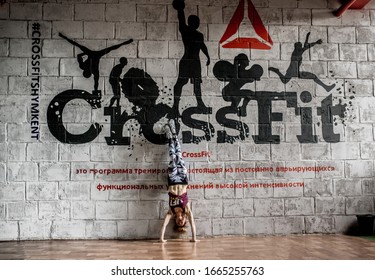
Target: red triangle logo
x,y
245,42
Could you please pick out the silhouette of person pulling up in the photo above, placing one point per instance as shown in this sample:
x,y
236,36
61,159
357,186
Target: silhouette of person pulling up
x,y
295,64
90,65
190,65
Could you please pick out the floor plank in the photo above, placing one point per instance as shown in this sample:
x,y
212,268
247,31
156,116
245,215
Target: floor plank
x,y
295,247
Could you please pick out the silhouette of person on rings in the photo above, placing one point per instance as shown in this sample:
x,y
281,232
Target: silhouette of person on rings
x,y
295,64
190,65
90,65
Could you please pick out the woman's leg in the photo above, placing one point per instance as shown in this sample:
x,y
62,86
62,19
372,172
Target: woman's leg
x,y
182,171
172,167
177,171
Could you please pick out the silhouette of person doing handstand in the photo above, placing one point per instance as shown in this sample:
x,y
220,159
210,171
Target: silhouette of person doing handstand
x,y
190,65
114,80
295,64
90,65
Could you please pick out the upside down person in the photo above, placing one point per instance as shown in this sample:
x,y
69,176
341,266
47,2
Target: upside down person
x,y
89,59
177,187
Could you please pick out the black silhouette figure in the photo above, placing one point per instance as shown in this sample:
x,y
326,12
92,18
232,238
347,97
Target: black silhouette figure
x,y
295,64
114,80
90,65
236,75
190,65
142,91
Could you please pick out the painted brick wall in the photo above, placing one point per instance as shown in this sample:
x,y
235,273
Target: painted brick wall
x,y
55,190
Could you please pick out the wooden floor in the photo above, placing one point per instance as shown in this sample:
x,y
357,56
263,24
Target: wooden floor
x,y
300,247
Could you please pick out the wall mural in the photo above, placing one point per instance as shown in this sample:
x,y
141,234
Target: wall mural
x,y
295,64
88,61
142,92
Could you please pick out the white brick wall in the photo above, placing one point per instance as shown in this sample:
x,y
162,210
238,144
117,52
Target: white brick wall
x,y
50,189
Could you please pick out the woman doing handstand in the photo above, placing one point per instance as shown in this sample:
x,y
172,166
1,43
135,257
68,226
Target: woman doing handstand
x,y
177,186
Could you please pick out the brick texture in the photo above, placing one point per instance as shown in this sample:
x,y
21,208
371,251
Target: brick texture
x,y
314,176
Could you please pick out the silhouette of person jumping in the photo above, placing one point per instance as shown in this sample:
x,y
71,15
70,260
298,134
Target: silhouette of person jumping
x,y
114,80
190,65
295,64
90,65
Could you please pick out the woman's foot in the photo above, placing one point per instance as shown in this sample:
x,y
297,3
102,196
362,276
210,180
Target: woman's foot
x,y
168,131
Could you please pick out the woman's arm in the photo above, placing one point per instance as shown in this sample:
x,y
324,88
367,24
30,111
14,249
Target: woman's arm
x,y
166,221
192,224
